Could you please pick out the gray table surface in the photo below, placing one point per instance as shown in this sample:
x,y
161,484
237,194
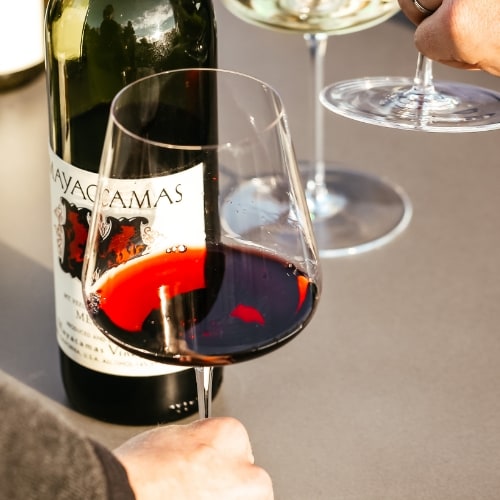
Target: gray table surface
x,y
393,391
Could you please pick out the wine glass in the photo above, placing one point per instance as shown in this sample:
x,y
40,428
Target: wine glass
x,y
200,249
352,211
415,104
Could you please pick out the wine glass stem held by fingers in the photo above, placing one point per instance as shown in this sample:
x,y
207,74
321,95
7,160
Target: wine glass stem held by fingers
x,y
420,104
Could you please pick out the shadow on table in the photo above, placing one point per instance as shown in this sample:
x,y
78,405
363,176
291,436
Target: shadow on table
x,y
27,324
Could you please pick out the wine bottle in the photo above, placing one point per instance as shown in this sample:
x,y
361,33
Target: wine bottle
x,y
93,49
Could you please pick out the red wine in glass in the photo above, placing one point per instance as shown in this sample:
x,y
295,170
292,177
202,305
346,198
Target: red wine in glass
x,y
210,317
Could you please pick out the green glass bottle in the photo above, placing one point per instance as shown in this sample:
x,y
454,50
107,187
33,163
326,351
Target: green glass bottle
x,y
93,49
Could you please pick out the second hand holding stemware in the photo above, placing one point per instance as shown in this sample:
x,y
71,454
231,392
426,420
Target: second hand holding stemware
x,y
200,249
415,104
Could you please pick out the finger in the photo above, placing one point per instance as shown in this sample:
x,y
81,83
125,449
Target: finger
x,y
227,435
432,36
262,484
448,37
418,10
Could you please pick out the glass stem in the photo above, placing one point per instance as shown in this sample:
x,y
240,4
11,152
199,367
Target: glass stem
x,y
423,83
204,376
317,45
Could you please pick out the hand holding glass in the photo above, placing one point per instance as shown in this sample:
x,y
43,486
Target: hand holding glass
x,y
200,249
417,103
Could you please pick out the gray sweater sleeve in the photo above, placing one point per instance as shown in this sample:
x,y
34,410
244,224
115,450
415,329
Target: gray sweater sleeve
x,y
42,457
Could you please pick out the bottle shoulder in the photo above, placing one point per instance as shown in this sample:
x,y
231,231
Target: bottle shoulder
x,y
93,53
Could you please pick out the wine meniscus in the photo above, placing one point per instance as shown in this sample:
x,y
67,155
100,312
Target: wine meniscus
x,y
332,17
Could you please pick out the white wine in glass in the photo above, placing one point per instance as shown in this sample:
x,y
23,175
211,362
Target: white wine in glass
x,y
352,212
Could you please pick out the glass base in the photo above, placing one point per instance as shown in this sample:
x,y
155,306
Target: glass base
x,y
357,212
392,102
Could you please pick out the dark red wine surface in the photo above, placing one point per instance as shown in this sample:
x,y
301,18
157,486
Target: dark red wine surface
x,y
204,307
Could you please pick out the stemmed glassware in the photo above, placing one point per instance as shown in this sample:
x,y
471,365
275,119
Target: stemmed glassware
x,y
415,104
352,212
200,249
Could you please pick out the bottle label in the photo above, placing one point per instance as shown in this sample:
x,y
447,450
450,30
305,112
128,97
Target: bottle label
x,y
73,192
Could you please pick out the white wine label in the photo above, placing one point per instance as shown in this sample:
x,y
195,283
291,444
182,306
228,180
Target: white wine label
x,y
73,192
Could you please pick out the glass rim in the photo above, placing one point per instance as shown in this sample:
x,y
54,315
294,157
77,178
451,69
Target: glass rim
x,y
280,111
